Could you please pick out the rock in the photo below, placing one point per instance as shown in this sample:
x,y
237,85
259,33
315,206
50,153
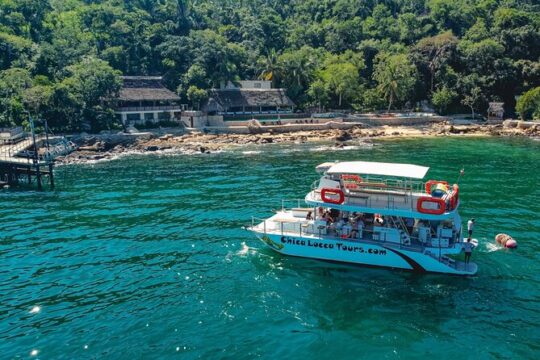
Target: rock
x,y
152,148
523,125
87,148
202,149
166,137
343,136
254,127
510,123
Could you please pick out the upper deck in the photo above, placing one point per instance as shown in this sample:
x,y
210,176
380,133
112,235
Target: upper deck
x,y
384,188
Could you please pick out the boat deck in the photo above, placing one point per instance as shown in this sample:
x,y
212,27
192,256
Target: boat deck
x,y
285,223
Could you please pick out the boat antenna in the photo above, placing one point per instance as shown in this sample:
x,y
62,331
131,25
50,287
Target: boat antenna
x,y
461,173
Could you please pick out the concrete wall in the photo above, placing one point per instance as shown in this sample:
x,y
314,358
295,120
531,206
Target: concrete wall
x,y
284,121
282,128
215,120
399,121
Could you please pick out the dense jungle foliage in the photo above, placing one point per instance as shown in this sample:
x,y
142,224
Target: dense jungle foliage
x,y
62,59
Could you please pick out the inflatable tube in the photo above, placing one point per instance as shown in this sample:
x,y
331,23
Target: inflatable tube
x,y
332,192
430,184
439,190
506,240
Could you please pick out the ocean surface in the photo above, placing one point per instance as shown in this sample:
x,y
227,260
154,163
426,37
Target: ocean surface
x,y
144,257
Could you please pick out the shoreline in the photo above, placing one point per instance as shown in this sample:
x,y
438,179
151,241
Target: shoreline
x,y
108,146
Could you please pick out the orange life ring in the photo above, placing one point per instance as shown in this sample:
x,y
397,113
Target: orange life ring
x,y
430,183
326,199
427,199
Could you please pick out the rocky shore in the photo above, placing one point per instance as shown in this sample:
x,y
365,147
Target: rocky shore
x,y
109,145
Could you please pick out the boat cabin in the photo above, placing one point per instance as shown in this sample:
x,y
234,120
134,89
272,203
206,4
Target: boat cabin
x,y
384,201
392,189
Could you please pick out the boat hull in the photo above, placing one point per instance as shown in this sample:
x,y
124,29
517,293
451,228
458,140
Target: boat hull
x,y
361,253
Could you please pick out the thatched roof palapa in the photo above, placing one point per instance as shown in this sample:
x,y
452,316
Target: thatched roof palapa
x,y
496,106
145,88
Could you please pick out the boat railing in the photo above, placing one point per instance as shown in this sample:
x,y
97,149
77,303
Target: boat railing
x,y
379,183
255,221
290,203
306,227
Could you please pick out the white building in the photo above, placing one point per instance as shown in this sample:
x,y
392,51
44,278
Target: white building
x,y
144,99
247,85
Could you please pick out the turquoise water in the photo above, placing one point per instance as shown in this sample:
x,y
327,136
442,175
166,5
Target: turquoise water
x,y
144,257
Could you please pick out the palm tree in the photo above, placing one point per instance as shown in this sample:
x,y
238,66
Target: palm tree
x,y
270,67
389,90
395,76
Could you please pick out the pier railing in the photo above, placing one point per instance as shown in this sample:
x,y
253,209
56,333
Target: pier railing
x,y
23,152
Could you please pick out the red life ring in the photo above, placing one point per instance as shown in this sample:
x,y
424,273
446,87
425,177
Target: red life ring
x,y
426,199
326,199
430,183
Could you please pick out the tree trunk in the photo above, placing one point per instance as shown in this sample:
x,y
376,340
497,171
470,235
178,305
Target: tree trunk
x,y
390,102
432,73
472,111
340,100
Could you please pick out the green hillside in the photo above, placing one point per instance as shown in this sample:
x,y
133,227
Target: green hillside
x,y
61,59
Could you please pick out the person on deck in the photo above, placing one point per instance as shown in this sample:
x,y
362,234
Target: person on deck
x,y
358,224
470,226
409,223
320,212
326,216
467,247
309,216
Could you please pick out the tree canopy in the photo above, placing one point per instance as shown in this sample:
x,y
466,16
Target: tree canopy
x,y
62,59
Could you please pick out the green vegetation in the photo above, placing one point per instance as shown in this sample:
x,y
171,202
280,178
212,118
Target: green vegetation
x,y
61,59
528,105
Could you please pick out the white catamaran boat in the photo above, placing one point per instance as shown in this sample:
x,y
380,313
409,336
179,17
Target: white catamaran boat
x,y
374,214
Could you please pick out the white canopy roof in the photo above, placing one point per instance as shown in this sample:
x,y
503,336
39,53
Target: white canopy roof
x,y
378,168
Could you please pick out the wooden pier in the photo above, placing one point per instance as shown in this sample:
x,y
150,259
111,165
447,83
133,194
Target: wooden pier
x,y
31,161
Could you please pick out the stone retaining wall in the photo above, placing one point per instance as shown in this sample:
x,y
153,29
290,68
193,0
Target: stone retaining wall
x,y
283,128
401,121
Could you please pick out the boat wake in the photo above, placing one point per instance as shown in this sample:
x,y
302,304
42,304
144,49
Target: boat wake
x,y
491,247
